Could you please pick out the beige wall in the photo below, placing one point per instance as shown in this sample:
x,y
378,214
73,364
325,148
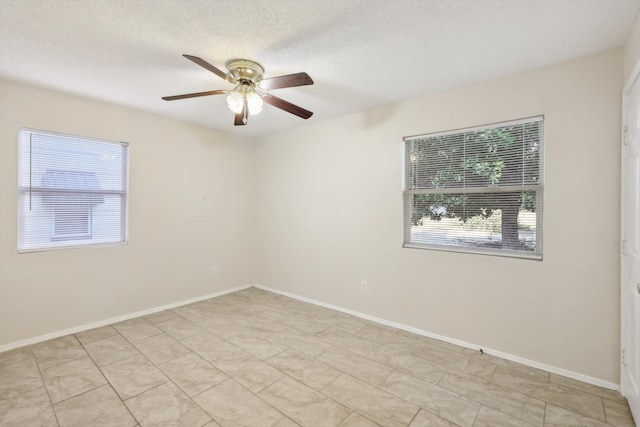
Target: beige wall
x,y
632,48
331,198
169,257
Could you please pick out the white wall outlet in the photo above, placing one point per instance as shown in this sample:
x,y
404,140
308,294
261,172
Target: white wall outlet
x,y
215,270
364,286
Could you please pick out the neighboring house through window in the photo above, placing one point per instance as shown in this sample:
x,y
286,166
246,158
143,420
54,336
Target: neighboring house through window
x,y
72,191
476,190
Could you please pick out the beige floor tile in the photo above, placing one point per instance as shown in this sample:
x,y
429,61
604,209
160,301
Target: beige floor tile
x,y
306,370
566,397
210,347
304,405
425,343
518,405
617,412
57,351
433,398
458,361
488,417
133,376
29,409
19,377
161,316
343,322
307,345
98,407
252,373
72,378
356,420
523,373
347,341
286,422
136,329
230,404
219,329
382,407
230,354
218,323
161,348
268,311
560,417
91,335
166,405
427,419
234,361
306,325
589,388
268,328
179,328
382,335
111,349
192,373
360,367
193,314
258,347
528,370
16,355
414,365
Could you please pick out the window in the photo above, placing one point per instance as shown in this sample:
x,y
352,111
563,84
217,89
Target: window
x,y
476,190
72,191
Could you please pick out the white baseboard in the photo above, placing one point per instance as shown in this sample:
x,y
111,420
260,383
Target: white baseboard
x,y
507,356
117,319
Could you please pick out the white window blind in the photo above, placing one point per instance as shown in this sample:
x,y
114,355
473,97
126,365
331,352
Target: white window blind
x,y
72,191
476,190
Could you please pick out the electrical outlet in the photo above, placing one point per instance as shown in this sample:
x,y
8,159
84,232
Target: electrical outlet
x,y
215,270
364,286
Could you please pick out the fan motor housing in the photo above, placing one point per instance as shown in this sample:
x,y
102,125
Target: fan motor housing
x,y
244,70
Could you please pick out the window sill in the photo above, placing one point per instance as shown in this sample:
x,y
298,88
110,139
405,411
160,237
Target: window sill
x,y
500,253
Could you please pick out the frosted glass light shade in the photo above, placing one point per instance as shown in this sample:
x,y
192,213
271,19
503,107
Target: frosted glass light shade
x,y
254,102
235,100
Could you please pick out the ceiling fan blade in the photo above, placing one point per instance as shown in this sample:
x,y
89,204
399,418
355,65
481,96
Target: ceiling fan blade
x,y
290,80
242,116
286,106
194,95
204,64
240,120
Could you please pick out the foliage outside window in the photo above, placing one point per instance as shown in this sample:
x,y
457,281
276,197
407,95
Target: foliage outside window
x,y
476,190
72,191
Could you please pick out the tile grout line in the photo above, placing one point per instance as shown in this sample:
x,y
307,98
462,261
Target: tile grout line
x,y
44,384
107,379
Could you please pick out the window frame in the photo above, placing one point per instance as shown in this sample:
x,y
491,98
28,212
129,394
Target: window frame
x,y
69,241
409,192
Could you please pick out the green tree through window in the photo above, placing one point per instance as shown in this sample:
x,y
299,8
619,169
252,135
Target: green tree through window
x,y
483,186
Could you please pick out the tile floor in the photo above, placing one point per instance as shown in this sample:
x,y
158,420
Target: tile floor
x,y
254,358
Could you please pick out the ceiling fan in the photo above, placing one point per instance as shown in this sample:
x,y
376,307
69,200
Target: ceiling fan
x,y
251,89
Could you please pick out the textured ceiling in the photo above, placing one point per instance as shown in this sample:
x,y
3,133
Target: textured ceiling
x,y
360,53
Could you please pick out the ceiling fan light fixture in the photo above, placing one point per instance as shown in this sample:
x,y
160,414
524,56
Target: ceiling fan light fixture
x,y
235,101
254,102
236,98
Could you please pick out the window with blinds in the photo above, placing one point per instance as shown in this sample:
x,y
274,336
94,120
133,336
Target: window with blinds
x,y
72,191
476,190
